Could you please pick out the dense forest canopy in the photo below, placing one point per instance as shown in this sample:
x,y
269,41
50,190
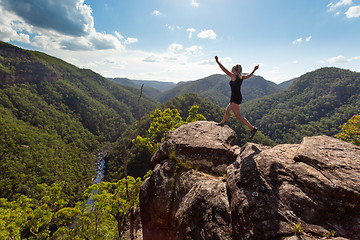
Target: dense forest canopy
x,y
54,117
216,89
316,103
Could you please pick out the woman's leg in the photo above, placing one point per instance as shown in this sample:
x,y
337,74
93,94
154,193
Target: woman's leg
x,y
227,113
236,110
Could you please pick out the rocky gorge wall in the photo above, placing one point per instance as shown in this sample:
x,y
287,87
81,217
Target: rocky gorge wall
x,y
203,187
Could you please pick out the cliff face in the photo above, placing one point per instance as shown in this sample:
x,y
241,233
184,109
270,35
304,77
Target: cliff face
x,y
202,187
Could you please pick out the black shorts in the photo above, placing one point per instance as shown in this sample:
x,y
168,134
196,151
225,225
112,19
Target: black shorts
x,y
236,99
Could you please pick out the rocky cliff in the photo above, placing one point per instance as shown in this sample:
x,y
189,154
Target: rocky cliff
x,y
202,187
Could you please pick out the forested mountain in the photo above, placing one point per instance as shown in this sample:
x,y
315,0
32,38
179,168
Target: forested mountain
x,y
153,89
152,92
216,89
287,84
139,160
316,103
53,117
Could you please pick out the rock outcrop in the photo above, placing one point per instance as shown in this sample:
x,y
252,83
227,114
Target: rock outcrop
x,y
311,189
202,143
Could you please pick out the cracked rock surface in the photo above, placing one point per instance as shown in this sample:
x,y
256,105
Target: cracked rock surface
x,y
267,191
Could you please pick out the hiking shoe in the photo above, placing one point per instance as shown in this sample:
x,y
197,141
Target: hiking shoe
x,y
220,124
253,132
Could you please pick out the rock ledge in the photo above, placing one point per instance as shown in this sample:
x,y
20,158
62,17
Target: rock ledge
x,y
266,192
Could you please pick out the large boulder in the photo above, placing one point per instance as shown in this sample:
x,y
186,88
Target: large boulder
x,y
311,189
314,186
203,144
181,204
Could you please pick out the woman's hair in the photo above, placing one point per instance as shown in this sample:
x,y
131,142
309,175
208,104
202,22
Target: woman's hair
x,y
238,68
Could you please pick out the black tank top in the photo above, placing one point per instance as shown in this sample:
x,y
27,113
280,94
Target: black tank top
x,y
235,86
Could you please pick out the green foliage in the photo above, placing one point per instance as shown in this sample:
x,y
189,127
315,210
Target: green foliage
x,y
194,115
31,155
315,104
298,230
139,160
350,131
46,215
53,118
216,89
31,218
330,234
164,121
213,112
103,215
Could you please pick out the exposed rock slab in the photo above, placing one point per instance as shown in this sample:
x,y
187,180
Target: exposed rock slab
x,y
267,191
272,190
202,143
184,204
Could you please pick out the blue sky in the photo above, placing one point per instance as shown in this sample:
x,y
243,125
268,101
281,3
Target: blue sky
x,y
176,40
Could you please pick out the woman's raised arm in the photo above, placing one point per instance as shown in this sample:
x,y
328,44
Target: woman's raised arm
x,y
230,74
248,76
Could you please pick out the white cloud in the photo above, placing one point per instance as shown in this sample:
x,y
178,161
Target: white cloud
x,y
355,58
338,59
156,12
341,59
275,70
151,58
102,41
194,50
64,24
353,12
175,47
131,40
68,17
227,60
172,27
212,61
191,31
208,62
118,35
210,34
299,40
12,29
194,3
333,7
45,42
276,74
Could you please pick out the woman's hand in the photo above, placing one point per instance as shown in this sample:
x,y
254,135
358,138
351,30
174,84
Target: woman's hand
x,y
224,69
256,67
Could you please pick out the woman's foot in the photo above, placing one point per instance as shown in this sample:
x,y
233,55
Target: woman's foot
x,y
253,132
220,124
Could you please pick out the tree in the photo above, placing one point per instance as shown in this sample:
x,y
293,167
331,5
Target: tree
x,y
112,200
31,218
194,115
350,131
164,121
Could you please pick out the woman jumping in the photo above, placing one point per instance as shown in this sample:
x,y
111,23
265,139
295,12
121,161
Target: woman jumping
x,y
236,97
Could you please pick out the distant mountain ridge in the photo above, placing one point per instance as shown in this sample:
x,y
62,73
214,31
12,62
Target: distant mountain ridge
x,y
214,88
53,116
287,84
317,103
151,88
